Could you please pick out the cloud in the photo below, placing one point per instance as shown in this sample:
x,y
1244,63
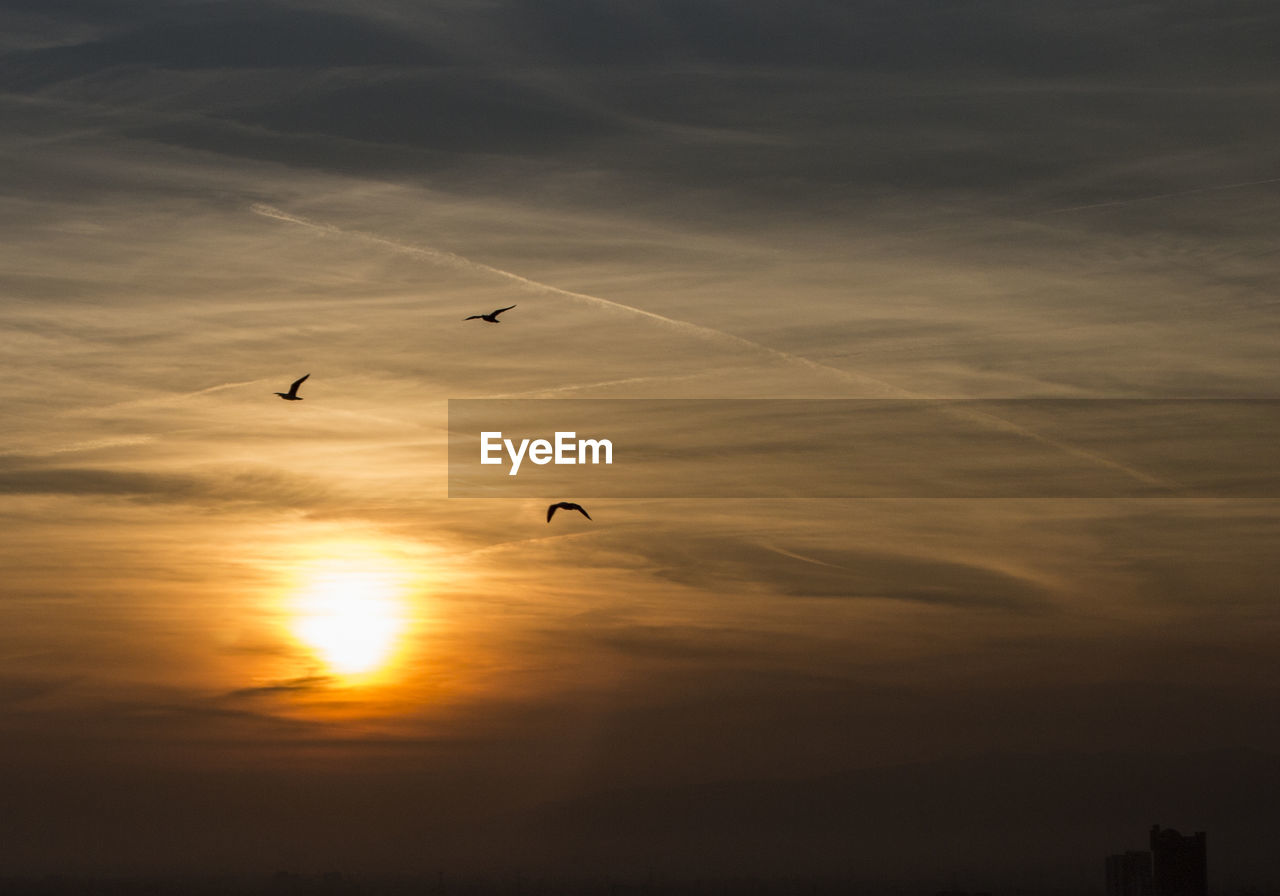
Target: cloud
x,y
225,36
92,445
300,685
851,573
25,689
228,486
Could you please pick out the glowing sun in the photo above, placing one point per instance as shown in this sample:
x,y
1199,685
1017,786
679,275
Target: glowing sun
x,y
351,615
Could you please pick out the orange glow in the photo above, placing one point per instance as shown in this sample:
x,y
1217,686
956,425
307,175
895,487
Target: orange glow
x,y
353,612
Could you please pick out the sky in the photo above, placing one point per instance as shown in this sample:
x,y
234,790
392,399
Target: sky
x,y
250,635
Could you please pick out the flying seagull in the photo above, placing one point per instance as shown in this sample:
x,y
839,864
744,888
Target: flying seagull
x,y
292,394
491,317
565,505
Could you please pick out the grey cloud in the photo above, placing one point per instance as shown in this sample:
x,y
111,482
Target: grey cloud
x,y
223,35
263,487
877,35
302,684
869,35
842,97
444,112
21,689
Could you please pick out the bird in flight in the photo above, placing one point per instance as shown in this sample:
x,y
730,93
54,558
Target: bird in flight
x,y
292,394
565,505
491,317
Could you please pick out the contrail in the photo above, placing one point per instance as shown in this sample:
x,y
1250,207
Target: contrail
x,y
164,399
628,381
213,389
459,262
93,445
1117,202
1000,423
801,557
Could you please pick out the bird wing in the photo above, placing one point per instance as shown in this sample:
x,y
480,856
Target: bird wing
x,y
500,310
293,390
581,511
474,317
551,511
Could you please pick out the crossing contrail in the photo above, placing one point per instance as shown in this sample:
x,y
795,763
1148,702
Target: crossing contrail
x,y
452,259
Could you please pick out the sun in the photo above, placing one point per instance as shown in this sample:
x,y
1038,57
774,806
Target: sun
x,y
351,614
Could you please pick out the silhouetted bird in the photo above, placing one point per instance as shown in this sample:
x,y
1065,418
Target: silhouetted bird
x,y
292,394
491,317
565,505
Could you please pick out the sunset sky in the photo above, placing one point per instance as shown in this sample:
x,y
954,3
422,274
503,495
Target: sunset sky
x,y
239,633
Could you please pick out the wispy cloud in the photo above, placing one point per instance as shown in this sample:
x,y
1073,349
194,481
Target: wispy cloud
x,y
261,487
1137,200
161,400
300,685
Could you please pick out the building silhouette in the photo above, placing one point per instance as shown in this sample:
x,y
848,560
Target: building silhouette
x,y
1174,866
1178,866
1129,874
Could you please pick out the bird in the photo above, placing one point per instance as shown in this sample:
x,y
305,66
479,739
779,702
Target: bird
x,y
565,505
491,317
292,394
